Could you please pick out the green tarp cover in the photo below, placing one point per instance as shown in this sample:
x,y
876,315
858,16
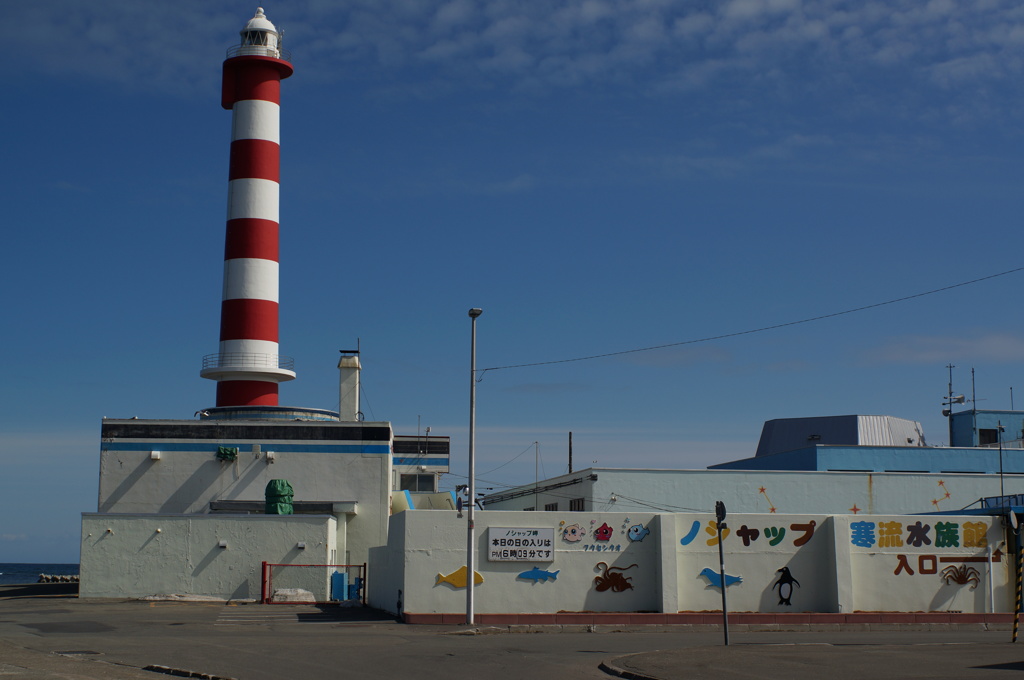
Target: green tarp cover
x,y
278,497
227,453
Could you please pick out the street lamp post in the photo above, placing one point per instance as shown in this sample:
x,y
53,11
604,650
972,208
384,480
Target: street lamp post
x,y
471,528
999,435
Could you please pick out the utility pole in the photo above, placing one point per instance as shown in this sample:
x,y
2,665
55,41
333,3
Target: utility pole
x,y
570,433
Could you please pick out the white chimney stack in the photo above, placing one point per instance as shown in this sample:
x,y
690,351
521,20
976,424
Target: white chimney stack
x,y
348,401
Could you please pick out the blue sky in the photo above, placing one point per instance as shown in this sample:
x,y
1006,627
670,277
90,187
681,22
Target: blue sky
x,y
597,175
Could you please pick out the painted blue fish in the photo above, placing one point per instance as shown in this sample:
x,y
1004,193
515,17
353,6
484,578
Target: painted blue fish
x,y
637,532
716,579
538,574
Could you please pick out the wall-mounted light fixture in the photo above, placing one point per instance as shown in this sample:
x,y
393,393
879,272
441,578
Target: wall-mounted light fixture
x,y
300,545
223,544
271,457
154,455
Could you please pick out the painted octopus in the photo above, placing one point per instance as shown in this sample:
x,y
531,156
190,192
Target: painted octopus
x,y
612,580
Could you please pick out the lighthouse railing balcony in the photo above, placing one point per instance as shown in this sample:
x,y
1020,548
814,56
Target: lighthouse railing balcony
x,y
248,360
259,51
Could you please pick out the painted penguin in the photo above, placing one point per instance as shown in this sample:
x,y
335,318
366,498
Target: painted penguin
x,y
785,585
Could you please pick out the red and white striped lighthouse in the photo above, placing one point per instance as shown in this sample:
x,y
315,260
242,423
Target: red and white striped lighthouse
x,y
248,367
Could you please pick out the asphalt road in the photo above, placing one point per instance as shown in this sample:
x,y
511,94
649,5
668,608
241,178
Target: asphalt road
x,y
63,637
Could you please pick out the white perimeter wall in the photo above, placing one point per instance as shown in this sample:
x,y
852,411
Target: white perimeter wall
x,y
133,556
843,563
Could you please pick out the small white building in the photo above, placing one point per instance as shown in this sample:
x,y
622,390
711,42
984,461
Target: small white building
x,y
181,503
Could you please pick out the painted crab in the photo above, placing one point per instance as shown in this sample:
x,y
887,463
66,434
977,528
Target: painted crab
x,y
962,574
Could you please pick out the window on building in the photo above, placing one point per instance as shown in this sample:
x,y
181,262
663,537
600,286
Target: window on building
x,y
529,509
550,507
417,483
576,505
986,436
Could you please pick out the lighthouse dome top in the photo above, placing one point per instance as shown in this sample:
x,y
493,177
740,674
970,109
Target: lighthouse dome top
x,y
259,22
259,37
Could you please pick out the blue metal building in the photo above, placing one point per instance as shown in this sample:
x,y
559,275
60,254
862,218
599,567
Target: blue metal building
x,y
887,444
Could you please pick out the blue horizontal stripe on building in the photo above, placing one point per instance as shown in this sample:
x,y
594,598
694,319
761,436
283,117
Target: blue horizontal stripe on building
x,y
419,461
245,447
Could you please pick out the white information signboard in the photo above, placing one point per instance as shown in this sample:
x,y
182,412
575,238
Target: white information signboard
x,y
506,544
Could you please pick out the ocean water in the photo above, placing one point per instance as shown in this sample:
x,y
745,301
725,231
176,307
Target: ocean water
x,y
29,573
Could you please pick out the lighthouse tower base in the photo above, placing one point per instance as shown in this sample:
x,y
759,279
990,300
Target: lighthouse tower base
x,y
267,413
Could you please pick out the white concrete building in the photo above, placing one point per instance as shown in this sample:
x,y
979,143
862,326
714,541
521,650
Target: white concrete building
x,y
751,491
177,489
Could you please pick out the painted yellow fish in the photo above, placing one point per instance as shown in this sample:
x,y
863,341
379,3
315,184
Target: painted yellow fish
x,y
458,578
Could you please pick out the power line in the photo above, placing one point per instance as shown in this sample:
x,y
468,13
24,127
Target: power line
x,y
756,330
506,462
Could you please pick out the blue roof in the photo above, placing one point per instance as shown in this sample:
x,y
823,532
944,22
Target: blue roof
x,y
944,460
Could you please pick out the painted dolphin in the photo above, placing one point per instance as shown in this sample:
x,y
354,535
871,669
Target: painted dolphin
x,y
538,574
716,579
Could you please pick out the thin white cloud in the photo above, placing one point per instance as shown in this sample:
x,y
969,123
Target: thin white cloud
x,y
957,71
548,388
71,187
791,146
516,185
920,349
732,163
452,14
680,356
19,443
648,45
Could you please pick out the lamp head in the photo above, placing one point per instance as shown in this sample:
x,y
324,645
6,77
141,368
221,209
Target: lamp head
x,y
475,312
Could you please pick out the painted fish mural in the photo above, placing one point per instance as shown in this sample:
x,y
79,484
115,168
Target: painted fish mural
x,y
785,586
537,574
637,532
573,533
458,578
716,579
603,532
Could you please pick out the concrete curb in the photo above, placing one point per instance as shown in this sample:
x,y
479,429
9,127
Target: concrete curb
x,y
19,661
782,621
735,628
611,668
